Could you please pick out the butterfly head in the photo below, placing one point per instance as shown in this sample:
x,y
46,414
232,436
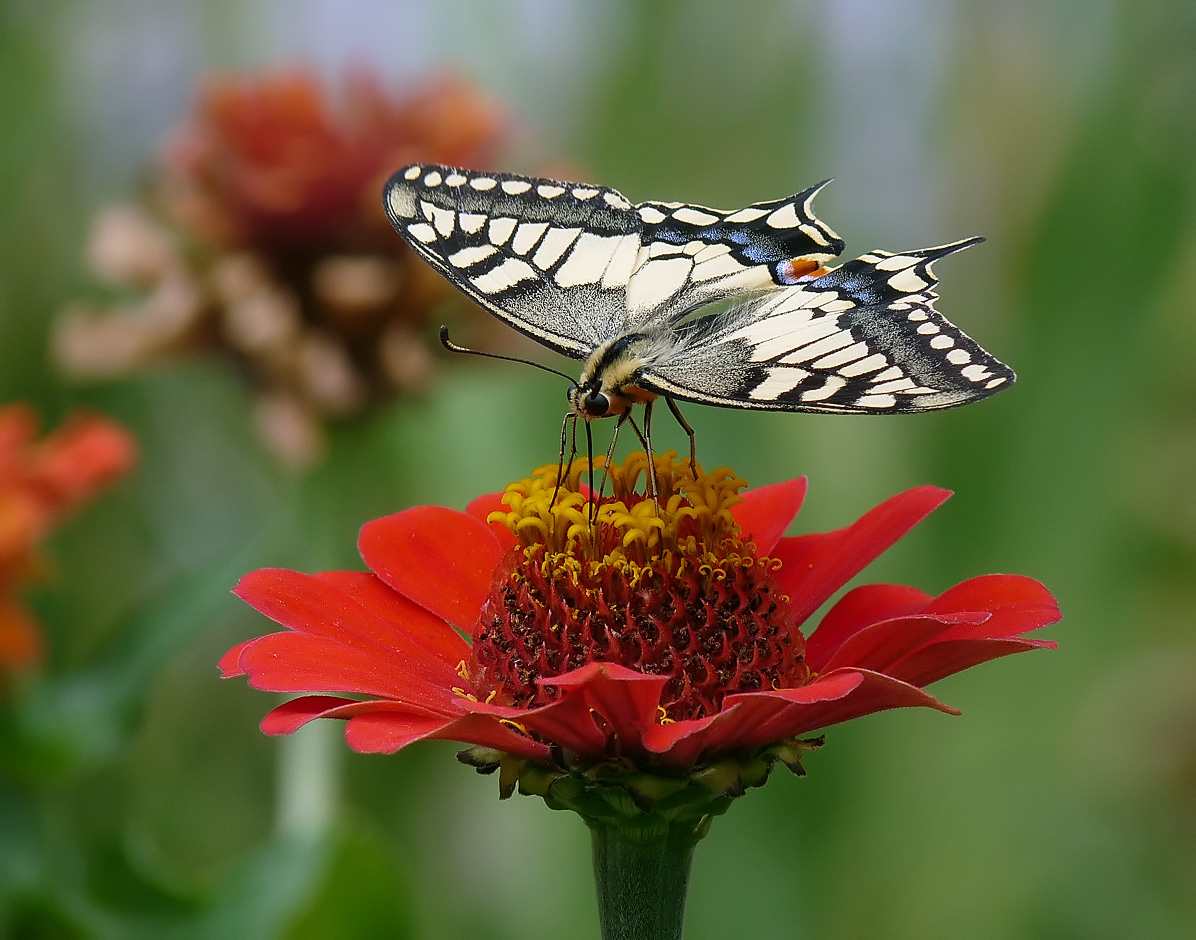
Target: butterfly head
x,y
589,401
607,385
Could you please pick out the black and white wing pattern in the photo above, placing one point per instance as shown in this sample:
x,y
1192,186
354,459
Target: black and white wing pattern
x,y
862,338
573,265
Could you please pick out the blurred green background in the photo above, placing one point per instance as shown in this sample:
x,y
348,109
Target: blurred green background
x,y
138,799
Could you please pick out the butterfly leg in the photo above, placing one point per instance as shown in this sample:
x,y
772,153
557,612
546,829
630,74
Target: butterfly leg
x,y
647,436
647,444
562,470
590,458
610,455
693,448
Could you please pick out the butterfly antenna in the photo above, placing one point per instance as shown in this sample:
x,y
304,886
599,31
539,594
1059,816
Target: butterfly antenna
x,y
453,347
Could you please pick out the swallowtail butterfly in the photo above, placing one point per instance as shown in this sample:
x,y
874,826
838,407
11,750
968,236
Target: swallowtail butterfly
x,y
623,288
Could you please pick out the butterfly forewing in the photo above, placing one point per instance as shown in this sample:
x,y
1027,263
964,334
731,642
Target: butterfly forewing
x,y
574,265
862,338
552,259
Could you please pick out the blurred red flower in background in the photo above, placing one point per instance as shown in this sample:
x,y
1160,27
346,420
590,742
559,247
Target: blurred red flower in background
x,y
40,483
668,638
263,238
274,165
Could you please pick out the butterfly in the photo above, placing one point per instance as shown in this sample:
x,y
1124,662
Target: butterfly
x,y
638,293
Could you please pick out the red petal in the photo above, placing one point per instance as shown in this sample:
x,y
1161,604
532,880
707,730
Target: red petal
x,y
804,710
815,566
385,732
736,729
879,645
627,700
481,508
440,558
290,716
567,722
948,657
766,512
318,606
230,662
867,604
414,623
1018,604
304,662
682,743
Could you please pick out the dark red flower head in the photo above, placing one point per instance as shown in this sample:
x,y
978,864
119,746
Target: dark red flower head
x,y
670,638
683,595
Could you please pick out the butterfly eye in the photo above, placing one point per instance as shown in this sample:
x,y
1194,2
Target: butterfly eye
x,y
596,404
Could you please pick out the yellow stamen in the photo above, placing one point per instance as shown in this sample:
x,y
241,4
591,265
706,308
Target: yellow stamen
x,y
694,517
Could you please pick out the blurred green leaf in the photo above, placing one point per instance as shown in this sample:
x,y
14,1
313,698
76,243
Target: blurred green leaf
x,y
363,896
80,718
261,896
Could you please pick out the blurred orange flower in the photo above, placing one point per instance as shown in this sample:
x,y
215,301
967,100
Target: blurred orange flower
x,y
40,482
264,240
273,165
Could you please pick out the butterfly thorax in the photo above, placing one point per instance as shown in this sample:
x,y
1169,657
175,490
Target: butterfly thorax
x,y
607,385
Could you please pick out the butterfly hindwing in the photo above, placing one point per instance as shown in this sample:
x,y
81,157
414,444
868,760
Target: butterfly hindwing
x,y
692,255
862,338
574,265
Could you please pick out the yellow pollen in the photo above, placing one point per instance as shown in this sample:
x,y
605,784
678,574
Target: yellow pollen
x,y
664,715
694,520
463,670
457,690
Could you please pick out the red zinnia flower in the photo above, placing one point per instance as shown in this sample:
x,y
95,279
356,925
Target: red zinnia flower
x,y
666,639
40,482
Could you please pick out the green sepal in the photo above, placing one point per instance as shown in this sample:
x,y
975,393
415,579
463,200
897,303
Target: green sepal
x,y
638,803
485,760
790,751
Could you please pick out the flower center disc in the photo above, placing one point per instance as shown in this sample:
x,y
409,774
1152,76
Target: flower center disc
x,y
674,593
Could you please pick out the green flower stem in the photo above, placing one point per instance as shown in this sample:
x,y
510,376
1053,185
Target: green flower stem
x,y
642,876
643,826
